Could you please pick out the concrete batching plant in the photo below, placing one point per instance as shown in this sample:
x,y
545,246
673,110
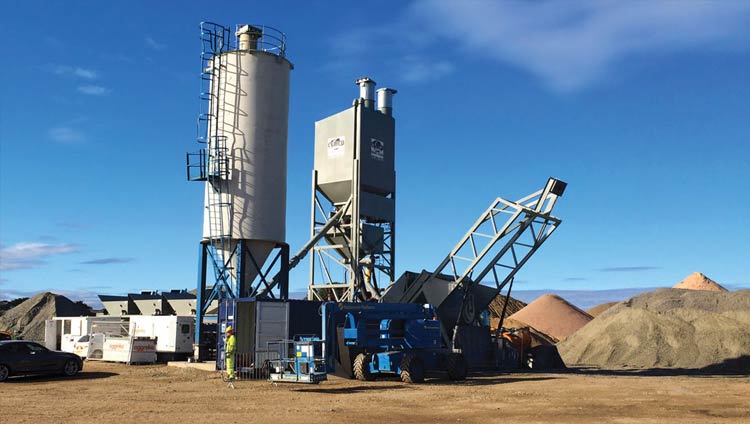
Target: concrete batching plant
x,y
353,228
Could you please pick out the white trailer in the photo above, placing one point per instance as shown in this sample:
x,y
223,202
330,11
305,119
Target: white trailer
x,y
130,350
174,334
62,333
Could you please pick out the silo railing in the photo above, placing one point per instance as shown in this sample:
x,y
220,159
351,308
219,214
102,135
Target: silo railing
x,y
271,40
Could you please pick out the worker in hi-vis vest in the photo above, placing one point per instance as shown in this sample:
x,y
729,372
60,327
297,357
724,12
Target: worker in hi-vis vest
x,y
231,347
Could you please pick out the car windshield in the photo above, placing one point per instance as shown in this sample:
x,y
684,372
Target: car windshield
x,y
83,339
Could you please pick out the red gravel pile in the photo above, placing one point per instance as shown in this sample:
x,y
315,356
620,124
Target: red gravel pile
x,y
553,316
698,281
598,309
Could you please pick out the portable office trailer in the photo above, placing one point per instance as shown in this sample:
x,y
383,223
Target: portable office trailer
x,y
62,333
174,335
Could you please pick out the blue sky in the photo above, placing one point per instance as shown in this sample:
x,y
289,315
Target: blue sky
x,y
642,107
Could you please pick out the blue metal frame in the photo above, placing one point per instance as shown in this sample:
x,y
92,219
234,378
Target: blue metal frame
x,y
224,287
307,364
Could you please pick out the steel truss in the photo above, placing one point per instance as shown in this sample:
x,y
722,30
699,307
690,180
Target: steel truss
x,y
345,271
528,225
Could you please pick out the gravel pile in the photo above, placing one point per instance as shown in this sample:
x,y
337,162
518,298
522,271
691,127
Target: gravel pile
x,y
666,328
29,316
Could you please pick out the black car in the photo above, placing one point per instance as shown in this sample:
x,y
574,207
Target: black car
x,y
19,357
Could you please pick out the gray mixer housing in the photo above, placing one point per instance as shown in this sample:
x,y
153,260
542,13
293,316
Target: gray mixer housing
x,y
358,133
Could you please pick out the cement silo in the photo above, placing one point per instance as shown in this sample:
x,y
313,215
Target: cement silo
x,y
243,125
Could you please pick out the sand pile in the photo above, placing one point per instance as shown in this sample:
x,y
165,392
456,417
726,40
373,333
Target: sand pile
x,y
698,281
598,309
553,316
666,328
29,316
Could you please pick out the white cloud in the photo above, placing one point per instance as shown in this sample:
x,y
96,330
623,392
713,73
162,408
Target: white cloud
x,y
30,254
74,71
417,69
353,52
67,135
571,45
154,44
93,90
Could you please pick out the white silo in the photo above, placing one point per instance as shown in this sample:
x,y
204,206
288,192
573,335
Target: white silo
x,y
245,193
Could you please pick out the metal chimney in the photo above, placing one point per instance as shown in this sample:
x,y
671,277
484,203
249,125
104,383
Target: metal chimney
x,y
367,91
385,100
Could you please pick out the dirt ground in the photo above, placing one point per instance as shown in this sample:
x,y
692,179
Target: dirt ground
x,y
114,393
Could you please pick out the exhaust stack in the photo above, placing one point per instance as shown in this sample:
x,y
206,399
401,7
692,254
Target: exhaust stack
x,y
367,91
385,100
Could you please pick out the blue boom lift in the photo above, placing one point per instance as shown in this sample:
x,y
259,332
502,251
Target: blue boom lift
x,y
388,338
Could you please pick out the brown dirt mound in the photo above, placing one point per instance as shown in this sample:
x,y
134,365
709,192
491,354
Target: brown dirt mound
x,y
666,328
28,317
698,281
598,309
553,316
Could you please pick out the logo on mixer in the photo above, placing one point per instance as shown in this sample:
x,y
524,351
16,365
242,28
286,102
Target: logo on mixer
x,y
377,149
336,147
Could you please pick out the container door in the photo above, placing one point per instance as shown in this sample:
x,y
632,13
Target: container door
x,y
185,335
272,323
68,339
50,334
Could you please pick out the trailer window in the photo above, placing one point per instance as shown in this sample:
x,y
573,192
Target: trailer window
x,y
185,329
66,326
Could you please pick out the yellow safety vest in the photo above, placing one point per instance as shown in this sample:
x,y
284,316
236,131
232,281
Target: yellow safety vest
x,y
231,345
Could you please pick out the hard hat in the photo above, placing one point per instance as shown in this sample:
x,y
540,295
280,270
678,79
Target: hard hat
x,y
229,329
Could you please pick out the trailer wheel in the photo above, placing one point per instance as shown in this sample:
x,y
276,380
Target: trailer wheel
x,y
456,367
412,369
71,368
4,372
361,367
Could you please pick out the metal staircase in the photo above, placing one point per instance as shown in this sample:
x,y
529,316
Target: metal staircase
x,y
211,163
